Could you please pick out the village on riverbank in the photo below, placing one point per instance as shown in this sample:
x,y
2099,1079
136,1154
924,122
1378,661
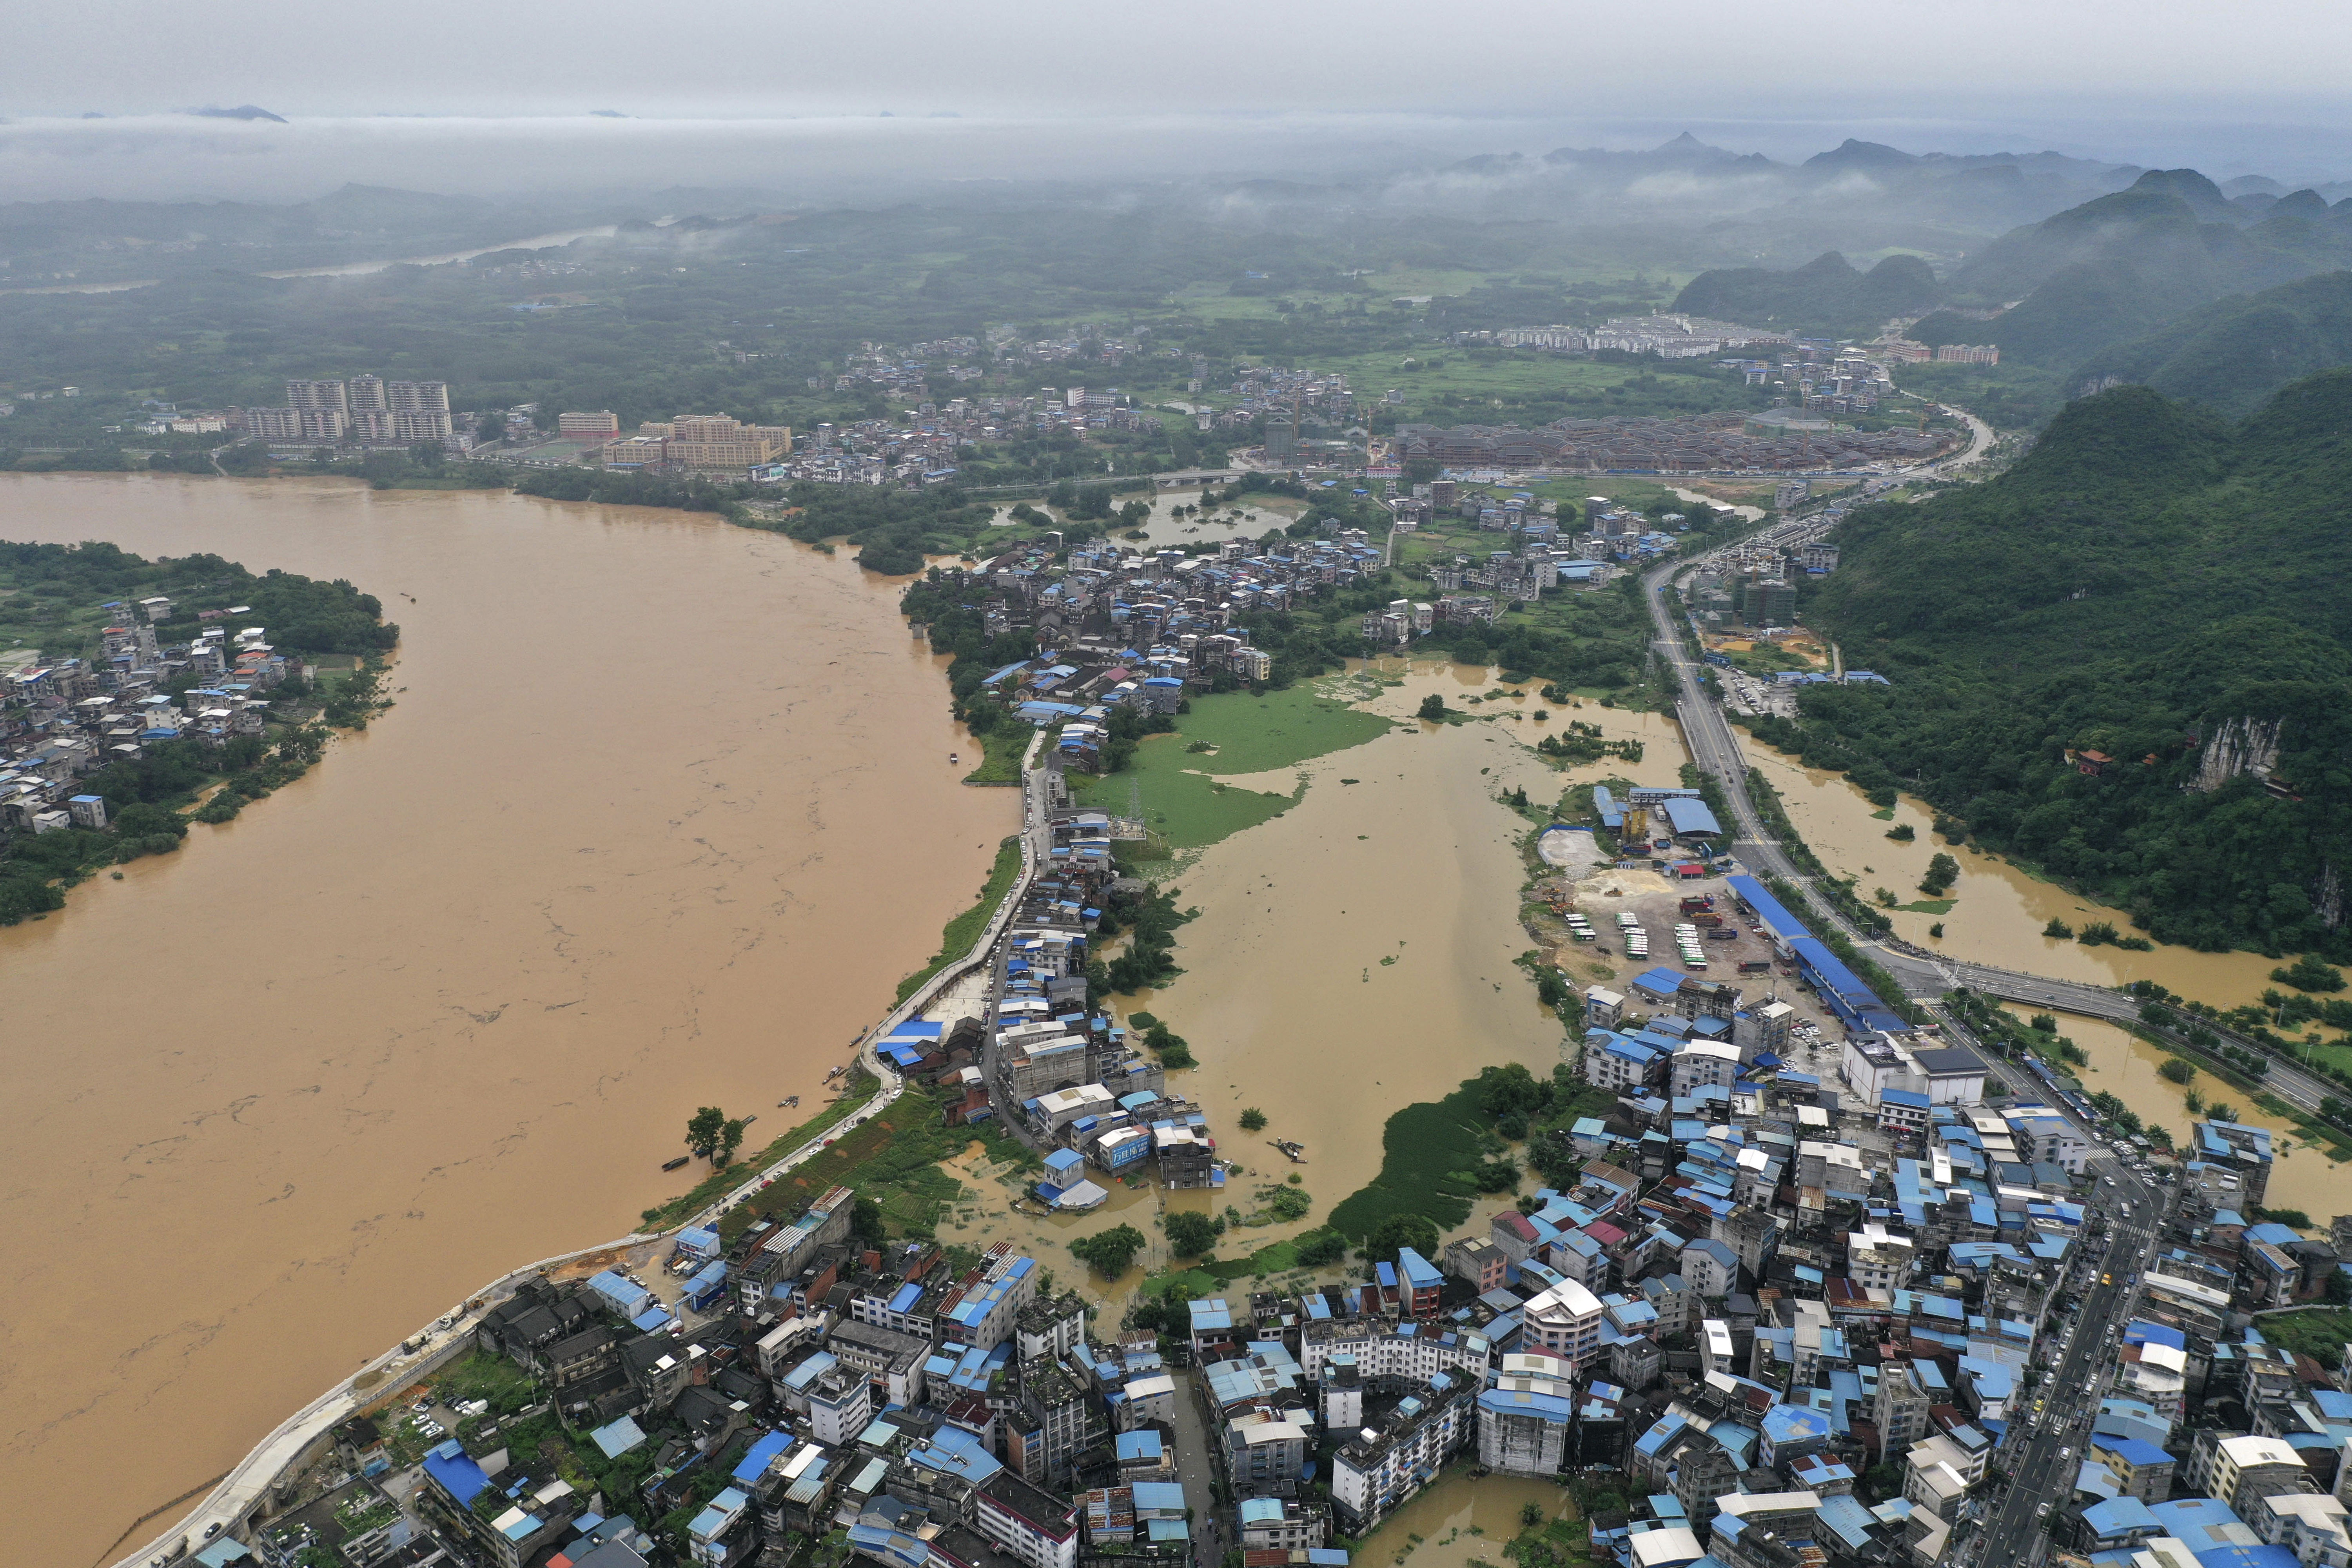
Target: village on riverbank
x,y
1768,1269
126,710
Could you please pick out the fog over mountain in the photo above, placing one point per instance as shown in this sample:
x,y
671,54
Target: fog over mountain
x,y
259,149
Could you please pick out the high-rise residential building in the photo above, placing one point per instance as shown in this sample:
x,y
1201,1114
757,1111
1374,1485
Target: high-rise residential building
x,y
365,408
322,409
420,410
370,413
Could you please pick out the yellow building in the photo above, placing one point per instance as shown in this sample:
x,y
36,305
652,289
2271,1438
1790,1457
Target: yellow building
x,y
711,443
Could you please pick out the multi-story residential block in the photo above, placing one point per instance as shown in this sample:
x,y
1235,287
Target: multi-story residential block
x,y
1385,1465
1524,1419
1564,1322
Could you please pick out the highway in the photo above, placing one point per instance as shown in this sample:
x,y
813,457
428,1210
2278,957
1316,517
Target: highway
x,y
1714,749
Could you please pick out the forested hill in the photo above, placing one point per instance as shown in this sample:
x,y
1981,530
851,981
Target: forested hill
x,y
2234,352
2127,265
2152,583
1825,295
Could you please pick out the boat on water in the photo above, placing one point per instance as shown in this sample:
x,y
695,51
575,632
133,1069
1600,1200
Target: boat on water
x,y
952,756
1291,1149
789,1100
674,1164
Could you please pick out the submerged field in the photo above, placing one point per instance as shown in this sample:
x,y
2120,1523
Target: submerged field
x,y
1180,779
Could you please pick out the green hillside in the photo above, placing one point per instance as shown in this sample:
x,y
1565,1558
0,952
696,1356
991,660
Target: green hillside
x,y
2147,576
2234,352
1826,296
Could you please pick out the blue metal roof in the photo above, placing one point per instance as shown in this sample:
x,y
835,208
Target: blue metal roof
x,y
1769,911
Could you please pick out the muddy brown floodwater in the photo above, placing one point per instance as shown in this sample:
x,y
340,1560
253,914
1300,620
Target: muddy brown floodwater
x,y
1361,942
2000,911
2302,1175
663,814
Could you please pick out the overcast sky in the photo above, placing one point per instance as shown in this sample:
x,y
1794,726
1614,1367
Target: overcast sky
x,y
734,57
2255,83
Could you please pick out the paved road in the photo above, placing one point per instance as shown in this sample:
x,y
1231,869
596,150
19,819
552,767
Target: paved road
x,y
2047,1432
1715,748
1195,1468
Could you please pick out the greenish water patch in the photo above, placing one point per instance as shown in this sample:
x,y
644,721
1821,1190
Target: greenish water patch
x,y
1278,729
1428,1151
1188,807
1183,797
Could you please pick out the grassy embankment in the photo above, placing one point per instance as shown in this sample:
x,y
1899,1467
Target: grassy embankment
x,y
892,1159
858,1087
1001,751
957,936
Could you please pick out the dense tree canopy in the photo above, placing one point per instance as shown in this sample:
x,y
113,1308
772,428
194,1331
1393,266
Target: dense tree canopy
x,y
2148,578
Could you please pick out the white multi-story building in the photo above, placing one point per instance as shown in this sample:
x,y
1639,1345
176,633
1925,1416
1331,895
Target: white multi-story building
x,y
1378,1473
1564,1322
1031,1525
1523,1419
1384,1349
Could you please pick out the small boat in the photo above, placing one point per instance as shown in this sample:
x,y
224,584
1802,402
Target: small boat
x,y
952,757
789,1100
1291,1149
749,1120
674,1164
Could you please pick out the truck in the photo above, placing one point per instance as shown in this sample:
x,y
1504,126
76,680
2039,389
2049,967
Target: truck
x,y
1756,966
1698,904
1704,917
1722,935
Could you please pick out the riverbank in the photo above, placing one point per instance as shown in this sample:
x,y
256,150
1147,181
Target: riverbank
x,y
876,1136
452,1000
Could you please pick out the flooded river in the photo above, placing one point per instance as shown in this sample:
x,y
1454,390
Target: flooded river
x,y
663,812
2126,1066
2000,912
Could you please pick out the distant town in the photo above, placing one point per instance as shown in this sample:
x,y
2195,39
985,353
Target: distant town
x,y
1286,420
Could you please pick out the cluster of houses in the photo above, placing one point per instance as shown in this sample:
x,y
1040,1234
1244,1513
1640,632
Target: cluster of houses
x,y
929,442
1747,1300
1697,443
1774,1286
1544,547
1137,628
802,1384
62,719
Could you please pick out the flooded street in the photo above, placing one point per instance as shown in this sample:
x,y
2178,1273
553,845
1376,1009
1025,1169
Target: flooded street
x,y
1459,1521
2125,1066
634,839
2000,911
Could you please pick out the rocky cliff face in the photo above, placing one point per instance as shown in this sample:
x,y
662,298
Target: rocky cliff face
x,y
2238,746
